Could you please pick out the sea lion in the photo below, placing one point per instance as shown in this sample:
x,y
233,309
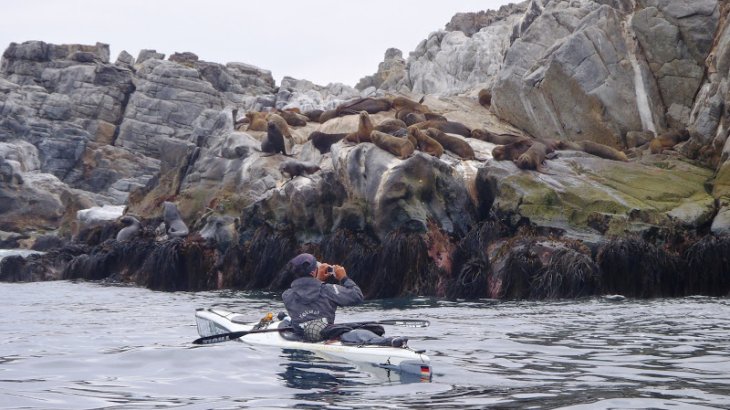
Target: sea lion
x,y
667,140
293,119
454,144
452,127
295,168
364,128
367,104
603,151
425,143
274,140
499,139
176,228
393,127
533,157
409,116
400,103
314,115
400,147
323,141
485,97
280,123
256,120
327,115
511,152
131,229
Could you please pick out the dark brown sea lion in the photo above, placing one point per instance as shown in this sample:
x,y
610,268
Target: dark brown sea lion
x,y
393,127
280,123
603,151
256,120
485,97
400,103
452,127
274,140
511,152
425,143
314,115
370,105
295,168
323,142
327,115
364,128
293,119
499,139
400,147
454,144
534,157
667,140
409,116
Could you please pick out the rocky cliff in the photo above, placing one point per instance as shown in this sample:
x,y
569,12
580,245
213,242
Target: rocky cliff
x,y
646,77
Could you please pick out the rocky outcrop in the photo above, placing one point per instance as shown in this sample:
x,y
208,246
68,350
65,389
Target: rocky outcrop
x,y
391,73
472,22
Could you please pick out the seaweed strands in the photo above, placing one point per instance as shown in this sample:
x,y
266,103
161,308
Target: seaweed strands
x,y
471,263
708,266
568,274
635,268
403,267
179,264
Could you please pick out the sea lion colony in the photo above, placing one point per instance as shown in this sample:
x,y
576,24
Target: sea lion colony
x,y
414,127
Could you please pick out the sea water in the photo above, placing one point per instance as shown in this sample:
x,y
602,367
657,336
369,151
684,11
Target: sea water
x,y
80,345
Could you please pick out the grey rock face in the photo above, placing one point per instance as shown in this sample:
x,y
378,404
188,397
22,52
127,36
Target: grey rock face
x,y
471,23
391,72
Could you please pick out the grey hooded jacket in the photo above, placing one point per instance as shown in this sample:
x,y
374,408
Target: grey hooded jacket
x,y
308,298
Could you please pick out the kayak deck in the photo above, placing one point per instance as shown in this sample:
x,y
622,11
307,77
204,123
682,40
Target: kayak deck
x,y
403,359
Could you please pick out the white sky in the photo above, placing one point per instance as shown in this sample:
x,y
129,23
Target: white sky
x,y
319,40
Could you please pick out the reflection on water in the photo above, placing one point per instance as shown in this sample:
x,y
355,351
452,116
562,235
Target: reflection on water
x,y
83,345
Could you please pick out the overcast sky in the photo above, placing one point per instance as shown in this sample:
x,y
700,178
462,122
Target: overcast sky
x,y
320,40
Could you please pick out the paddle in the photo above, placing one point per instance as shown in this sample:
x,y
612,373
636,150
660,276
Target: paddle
x,y
224,337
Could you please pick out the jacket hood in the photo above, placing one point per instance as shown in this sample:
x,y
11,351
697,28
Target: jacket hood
x,y
306,289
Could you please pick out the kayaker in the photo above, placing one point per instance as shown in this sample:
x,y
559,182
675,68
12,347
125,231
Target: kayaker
x,y
312,303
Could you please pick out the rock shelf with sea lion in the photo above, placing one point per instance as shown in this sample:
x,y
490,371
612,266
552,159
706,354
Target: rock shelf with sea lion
x,y
499,139
369,105
534,157
392,126
176,228
451,143
274,141
593,148
131,229
256,120
667,140
400,147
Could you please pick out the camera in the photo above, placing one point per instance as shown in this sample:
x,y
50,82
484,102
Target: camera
x,y
330,271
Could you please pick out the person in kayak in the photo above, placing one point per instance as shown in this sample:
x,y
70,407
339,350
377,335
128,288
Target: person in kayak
x,y
312,303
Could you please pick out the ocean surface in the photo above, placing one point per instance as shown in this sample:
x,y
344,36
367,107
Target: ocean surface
x,y
80,345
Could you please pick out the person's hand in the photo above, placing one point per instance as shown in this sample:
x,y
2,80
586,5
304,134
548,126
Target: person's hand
x,y
340,273
322,273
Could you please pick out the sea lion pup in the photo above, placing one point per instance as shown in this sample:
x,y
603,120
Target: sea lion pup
x,y
499,139
667,140
323,141
314,115
392,126
176,228
368,104
400,147
533,157
511,152
131,228
485,97
256,120
364,128
425,143
274,140
452,127
456,145
292,118
295,168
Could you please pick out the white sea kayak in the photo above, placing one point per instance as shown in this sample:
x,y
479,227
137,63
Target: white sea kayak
x,y
212,322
